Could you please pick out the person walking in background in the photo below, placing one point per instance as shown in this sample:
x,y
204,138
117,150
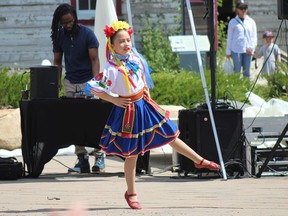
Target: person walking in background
x,y
79,46
136,123
270,51
241,36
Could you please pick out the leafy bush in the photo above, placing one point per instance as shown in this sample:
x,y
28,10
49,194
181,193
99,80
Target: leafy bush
x,y
171,87
278,84
156,46
183,88
186,88
11,85
222,42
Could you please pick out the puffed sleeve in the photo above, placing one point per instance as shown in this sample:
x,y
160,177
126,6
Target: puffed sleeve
x,y
103,82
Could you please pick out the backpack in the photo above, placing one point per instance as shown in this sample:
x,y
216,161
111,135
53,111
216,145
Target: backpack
x,y
10,168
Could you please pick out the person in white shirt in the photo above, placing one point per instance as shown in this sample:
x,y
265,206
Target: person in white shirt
x,y
241,37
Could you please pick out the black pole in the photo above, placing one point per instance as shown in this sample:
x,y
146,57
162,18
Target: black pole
x,y
183,17
212,35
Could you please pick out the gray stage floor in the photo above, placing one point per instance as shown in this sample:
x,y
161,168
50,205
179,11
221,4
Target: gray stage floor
x,y
161,193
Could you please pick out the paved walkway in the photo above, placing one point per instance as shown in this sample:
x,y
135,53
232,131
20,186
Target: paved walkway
x,y
162,193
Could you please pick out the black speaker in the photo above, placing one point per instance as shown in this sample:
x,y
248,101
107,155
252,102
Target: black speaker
x,y
43,82
143,164
196,131
282,9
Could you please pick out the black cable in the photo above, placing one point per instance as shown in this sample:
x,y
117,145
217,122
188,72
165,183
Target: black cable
x,y
21,79
63,164
233,98
234,169
254,118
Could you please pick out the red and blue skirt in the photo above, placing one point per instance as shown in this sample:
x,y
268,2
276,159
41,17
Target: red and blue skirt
x,y
138,128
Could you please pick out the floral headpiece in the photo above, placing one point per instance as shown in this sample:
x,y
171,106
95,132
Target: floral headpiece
x,y
111,30
116,26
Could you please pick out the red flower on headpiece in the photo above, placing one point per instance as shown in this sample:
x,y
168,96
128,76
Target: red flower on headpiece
x,y
130,31
109,31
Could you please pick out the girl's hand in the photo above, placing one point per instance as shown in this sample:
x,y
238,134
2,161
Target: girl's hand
x,y
121,102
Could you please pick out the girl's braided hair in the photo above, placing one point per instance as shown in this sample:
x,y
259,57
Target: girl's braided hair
x,y
61,10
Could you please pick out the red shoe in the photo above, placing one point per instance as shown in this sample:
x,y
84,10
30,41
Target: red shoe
x,y
132,204
211,166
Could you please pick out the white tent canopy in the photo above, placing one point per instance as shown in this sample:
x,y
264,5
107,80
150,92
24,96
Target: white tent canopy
x,y
105,14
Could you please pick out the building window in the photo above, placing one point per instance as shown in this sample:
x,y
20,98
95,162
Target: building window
x,y
86,8
87,5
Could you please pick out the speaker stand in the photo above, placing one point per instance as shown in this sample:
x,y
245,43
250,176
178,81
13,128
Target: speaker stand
x,y
258,175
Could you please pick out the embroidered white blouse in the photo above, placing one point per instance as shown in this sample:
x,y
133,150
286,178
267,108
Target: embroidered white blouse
x,y
111,80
